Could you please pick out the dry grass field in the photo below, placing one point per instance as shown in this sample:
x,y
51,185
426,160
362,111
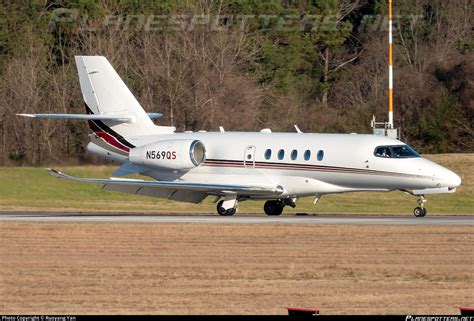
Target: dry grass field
x,y
234,269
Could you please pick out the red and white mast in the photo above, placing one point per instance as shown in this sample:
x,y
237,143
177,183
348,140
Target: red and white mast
x,y
390,67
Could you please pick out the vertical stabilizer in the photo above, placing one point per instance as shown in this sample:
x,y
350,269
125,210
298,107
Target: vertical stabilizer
x,y
106,94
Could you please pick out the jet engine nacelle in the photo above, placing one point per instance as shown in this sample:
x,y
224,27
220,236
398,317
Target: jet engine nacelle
x,y
178,154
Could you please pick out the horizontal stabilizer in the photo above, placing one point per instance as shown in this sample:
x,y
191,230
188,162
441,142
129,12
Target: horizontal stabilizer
x,y
80,116
189,186
155,115
119,118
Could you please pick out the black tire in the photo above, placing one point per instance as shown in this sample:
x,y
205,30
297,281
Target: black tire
x,y
419,212
223,212
425,211
230,212
220,210
273,208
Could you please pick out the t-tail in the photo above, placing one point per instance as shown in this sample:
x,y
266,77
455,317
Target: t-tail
x,y
113,113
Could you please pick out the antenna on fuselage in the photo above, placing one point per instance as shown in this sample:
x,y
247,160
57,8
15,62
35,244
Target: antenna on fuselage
x,y
387,128
298,130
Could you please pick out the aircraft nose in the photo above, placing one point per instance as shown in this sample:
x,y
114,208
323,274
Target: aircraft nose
x,y
454,180
451,179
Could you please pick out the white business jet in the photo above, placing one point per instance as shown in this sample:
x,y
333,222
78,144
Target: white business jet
x,y
238,166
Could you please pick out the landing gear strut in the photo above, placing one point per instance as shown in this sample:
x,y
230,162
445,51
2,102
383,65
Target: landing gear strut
x,y
273,207
420,211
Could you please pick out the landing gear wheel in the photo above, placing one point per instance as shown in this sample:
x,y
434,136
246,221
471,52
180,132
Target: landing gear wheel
x,y
273,207
223,212
420,211
425,211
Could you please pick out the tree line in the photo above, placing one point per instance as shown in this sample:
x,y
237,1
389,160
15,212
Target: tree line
x,y
240,64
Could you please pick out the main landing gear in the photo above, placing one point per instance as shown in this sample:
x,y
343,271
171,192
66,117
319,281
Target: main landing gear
x,y
275,207
228,206
420,211
225,212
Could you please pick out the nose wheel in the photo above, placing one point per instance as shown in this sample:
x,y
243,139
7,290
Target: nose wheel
x,y
420,211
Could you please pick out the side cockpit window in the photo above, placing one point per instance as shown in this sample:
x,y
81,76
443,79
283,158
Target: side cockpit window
x,y
396,151
404,151
383,151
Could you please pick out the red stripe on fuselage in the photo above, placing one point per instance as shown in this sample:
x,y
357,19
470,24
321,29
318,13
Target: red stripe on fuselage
x,y
109,139
230,163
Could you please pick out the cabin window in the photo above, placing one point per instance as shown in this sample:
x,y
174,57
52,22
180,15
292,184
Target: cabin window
x,y
294,154
320,155
307,155
268,154
281,154
401,151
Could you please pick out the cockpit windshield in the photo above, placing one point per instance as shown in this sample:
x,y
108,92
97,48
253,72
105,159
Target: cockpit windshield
x,y
396,151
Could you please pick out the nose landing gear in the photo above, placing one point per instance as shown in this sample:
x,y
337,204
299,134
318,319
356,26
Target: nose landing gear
x,y
420,211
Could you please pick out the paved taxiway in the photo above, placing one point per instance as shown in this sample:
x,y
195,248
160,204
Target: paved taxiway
x,y
238,219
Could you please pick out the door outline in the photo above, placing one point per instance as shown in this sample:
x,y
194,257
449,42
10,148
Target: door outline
x,y
249,156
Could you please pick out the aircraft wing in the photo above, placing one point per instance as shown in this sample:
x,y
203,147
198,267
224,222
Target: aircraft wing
x,y
173,185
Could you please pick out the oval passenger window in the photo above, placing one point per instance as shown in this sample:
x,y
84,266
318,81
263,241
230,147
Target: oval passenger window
x,y
268,154
294,154
281,154
320,155
307,155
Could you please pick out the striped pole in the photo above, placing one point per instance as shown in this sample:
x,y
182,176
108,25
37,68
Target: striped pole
x,y
390,66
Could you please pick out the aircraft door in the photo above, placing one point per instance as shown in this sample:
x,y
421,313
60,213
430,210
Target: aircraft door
x,y
249,156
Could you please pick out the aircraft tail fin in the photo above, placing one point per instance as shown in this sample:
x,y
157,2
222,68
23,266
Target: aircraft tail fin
x,y
113,113
105,94
103,90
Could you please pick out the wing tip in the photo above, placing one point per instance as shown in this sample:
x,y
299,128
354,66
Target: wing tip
x,y
54,172
155,115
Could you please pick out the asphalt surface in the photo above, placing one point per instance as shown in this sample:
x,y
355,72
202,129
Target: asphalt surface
x,y
237,219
